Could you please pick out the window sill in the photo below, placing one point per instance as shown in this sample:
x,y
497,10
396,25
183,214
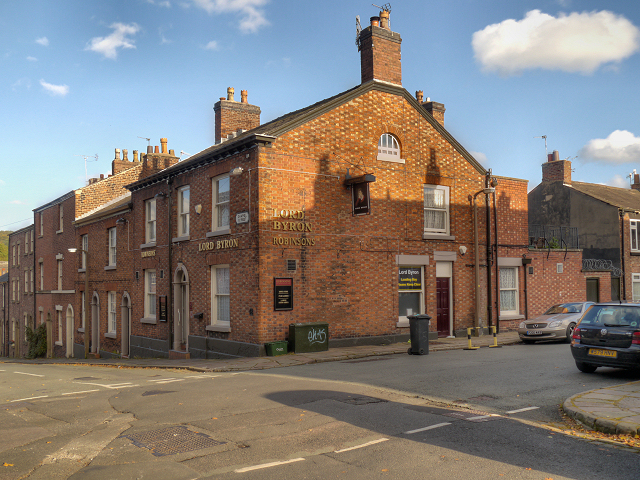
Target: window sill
x,y
635,253
148,245
403,323
61,291
218,328
437,236
58,232
82,270
58,343
110,335
81,330
389,158
511,317
222,231
149,320
183,238
110,267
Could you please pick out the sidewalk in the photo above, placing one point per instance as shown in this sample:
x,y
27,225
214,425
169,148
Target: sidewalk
x,y
613,410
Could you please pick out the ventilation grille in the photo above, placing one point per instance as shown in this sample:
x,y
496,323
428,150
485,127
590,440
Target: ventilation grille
x,y
292,265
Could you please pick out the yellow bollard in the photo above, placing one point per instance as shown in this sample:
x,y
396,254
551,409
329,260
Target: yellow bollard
x,y
469,339
495,339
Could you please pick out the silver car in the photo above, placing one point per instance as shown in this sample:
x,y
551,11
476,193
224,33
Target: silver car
x,y
557,323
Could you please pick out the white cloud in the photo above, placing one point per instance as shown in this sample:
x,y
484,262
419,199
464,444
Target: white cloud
x,y
212,45
32,59
56,90
120,38
480,157
161,3
17,202
2,182
253,17
618,148
21,82
44,41
578,42
618,181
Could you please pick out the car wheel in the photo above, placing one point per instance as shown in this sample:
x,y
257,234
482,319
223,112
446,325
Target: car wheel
x,y
570,329
585,367
528,342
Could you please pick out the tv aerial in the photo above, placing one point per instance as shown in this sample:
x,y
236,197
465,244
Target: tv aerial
x,y
358,30
385,8
86,159
147,139
545,143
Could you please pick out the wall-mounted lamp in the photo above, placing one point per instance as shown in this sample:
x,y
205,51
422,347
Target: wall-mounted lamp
x,y
121,221
160,195
236,171
462,250
198,209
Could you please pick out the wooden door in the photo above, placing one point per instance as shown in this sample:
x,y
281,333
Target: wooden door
x,y
442,303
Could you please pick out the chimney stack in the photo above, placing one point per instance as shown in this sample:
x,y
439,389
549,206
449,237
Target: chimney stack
x,y
380,57
636,182
120,165
157,159
556,170
232,116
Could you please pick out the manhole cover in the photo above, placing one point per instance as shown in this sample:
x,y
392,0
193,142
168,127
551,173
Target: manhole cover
x,y
172,440
361,400
156,392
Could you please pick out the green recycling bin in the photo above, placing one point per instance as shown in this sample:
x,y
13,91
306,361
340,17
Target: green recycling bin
x,y
276,348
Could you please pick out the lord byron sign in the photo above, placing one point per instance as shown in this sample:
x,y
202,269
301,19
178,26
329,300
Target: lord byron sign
x,y
409,278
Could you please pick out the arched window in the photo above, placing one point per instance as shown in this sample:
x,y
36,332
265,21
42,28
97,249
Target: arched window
x,y
389,148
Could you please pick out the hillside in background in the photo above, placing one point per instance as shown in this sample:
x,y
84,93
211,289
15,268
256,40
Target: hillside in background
x,y
4,244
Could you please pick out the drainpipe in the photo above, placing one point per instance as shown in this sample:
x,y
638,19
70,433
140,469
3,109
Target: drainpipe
x,y
622,263
488,182
170,272
495,226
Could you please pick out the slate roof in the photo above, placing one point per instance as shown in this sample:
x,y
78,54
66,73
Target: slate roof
x,y
268,132
624,198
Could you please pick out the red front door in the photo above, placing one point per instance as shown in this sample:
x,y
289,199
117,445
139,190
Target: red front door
x,y
442,301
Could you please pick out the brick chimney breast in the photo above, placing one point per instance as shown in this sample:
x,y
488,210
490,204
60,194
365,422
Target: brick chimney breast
x,y
380,57
232,116
556,170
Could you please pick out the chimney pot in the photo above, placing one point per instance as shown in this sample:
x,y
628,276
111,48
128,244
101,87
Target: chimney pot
x,y
117,157
102,176
163,142
243,96
135,155
419,96
556,156
375,21
172,152
149,149
230,92
384,20
125,154
157,149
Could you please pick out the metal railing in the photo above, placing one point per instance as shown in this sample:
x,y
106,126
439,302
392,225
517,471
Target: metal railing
x,y
551,236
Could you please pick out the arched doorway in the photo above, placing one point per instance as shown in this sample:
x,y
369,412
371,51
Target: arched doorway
x,y
181,309
95,323
125,315
70,328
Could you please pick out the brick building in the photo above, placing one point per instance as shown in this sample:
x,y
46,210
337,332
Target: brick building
x,y
21,285
4,314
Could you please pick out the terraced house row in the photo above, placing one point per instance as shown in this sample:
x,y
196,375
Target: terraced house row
x,y
357,211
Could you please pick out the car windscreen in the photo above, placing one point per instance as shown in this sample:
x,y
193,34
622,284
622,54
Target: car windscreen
x,y
612,316
564,308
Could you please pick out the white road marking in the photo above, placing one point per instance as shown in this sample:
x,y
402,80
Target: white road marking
x,y
437,425
481,417
267,465
522,410
84,391
30,398
112,386
373,442
203,376
162,379
32,374
171,380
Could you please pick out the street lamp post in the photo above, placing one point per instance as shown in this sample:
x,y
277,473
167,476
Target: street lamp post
x,y
472,200
87,322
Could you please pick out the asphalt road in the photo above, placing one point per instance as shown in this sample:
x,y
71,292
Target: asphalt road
x,y
359,419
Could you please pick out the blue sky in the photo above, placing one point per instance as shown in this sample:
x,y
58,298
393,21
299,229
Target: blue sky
x,y
83,78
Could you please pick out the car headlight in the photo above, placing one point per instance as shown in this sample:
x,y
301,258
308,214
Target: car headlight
x,y
554,324
522,325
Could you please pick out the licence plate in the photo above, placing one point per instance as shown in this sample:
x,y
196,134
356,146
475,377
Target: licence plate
x,y
534,332
603,353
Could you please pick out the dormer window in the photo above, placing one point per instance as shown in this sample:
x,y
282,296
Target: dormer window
x,y
389,149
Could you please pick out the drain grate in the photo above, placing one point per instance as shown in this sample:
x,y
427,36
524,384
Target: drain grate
x,y
361,400
172,440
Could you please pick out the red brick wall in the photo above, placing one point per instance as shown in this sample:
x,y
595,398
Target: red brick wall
x,y
24,302
232,116
380,57
558,170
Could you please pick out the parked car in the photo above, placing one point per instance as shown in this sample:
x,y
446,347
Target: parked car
x,y
607,336
557,323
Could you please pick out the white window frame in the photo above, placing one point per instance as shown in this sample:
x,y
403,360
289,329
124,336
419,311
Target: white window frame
x,y
41,276
389,148
31,279
41,224
33,236
112,321
183,210
17,282
635,282
13,256
26,243
26,281
113,239
634,230
61,212
445,209
216,295
18,257
59,274
13,290
515,289
85,249
150,221
218,205
150,293
59,319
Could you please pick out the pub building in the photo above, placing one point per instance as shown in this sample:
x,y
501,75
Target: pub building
x,y
357,211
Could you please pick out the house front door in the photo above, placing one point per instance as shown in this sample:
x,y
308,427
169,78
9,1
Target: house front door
x,y
442,305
